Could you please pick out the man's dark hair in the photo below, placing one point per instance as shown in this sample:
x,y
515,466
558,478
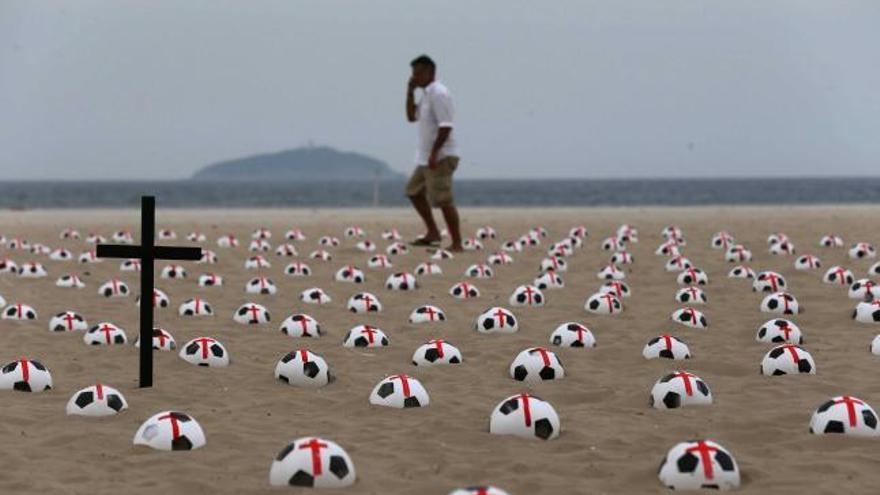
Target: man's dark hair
x,y
425,61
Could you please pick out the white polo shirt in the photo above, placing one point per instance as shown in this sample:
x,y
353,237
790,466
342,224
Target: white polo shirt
x,y
434,111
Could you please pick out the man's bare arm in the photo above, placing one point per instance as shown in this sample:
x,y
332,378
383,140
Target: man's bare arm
x,y
442,136
410,101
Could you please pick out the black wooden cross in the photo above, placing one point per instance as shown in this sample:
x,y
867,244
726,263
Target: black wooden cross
x,y
147,252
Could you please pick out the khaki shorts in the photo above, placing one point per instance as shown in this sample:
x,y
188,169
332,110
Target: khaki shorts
x,y
436,183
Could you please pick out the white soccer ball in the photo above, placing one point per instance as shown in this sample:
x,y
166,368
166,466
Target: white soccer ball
x,y
366,246
867,311
741,272
666,347
499,258
875,269
379,261
471,244
396,248
862,250
314,295
364,302
691,295
173,271
365,336
70,281
287,250
312,462
525,416
485,232
8,266
261,233
170,430
831,240
256,263
25,375
195,307
350,274
512,246
259,246
19,312
696,465
196,236
123,237
97,400
479,490
328,241
402,281
690,317
464,290
60,254
160,299
611,272
479,270
875,346
782,247
839,276
69,233
692,276
400,391
603,303
780,303
427,314
442,254
721,240
780,331
787,359
616,287
844,415
581,232
208,258
863,289
260,285
295,235
737,254
105,333
303,368
391,235
621,258
680,389
68,321
205,351
298,269
527,295
807,262
668,248
227,241
535,365
113,288
572,334
129,265
549,280
162,340
678,263
613,244
496,320
428,268
251,314
768,281
301,325
554,263
436,351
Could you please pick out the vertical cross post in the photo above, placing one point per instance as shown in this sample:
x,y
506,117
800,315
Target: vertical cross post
x,y
148,231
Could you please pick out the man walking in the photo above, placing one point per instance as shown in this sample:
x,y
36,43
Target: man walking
x,y
436,156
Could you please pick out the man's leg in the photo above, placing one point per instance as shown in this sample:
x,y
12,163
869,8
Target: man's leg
x,y
420,203
415,191
450,214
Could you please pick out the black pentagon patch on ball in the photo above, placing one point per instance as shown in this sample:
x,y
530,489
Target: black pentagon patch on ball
x,y
543,429
488,323
869,418
301,478
288,357
114,402
509,406
666,353
702,387
538,298
876,315
520,373
775,353
762,332
181,443
311,369
834,427
667,378
594,304
672,400
84,399
454,360
521,297
22,386
687,463
772,303
242,311
192,348
411,402
804,366
431,355
118,339
724,460
547,373
338,466
385,390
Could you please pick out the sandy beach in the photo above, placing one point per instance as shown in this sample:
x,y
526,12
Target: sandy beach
x,y
611,441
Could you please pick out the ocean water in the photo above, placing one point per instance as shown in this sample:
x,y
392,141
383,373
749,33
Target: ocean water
x,y
501,193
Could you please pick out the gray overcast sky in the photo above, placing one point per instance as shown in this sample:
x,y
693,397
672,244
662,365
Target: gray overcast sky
x,y
613,88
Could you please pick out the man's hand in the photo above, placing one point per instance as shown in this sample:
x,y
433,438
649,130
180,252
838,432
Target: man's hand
x,y
410,100
411,84
432,160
